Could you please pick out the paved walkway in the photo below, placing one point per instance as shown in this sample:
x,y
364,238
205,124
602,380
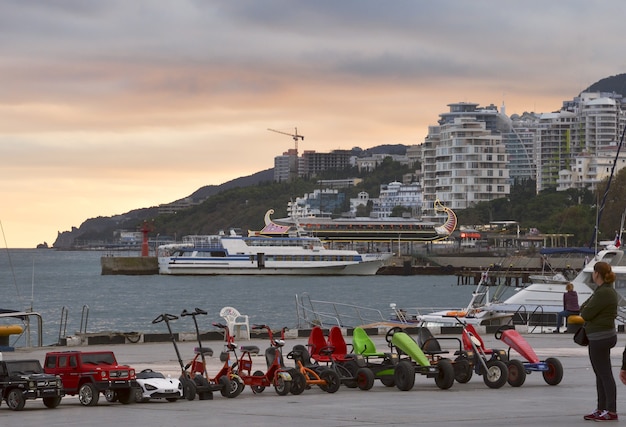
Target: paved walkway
x,y
471,404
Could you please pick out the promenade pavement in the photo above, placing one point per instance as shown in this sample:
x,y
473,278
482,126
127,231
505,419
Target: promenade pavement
x,y
470,404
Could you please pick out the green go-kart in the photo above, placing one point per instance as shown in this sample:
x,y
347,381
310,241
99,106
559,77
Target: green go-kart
x,y
400,365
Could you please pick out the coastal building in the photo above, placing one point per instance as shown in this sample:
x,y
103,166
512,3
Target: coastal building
x,y
463,161
286,166
588,170
520,147
322,202
397,194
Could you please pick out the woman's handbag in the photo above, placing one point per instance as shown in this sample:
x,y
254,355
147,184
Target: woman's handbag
x,y
580,337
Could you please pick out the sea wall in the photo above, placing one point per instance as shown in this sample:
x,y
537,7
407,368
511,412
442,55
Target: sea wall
x,y
129,265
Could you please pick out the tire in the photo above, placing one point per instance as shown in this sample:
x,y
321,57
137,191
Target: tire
x,y
138,393
404,375
365,378
350,366
15,400
126,396
281,386
298,382
333,382
202,382
388,381
445,376
189,388
258,388
88,395
496,375
554,374
463,371
237,387
226,386
52,402
110,396
517,373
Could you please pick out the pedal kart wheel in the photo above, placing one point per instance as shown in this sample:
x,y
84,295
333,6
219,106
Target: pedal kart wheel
x,y
517,373
496,375
298,382
463,371
445,376
333,382
404,375
348,373
365,378
554,374
388,381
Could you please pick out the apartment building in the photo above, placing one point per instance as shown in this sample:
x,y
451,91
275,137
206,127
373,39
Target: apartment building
x,y
463,162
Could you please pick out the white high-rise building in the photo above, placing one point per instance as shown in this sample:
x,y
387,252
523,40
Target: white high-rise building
x,y
463,163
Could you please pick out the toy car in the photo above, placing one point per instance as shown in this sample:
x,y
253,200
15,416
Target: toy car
x,y
154,385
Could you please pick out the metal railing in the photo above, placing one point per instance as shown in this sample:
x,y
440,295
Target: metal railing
x,y
327,313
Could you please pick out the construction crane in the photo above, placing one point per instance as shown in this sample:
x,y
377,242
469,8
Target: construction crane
x,y
295,136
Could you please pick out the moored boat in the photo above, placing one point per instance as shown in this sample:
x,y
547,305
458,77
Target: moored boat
x,y
286,253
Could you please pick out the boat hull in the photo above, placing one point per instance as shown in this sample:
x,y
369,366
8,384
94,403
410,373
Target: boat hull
x,y
198,267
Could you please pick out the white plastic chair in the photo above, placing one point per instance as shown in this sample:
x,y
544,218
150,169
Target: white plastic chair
x,y
235,321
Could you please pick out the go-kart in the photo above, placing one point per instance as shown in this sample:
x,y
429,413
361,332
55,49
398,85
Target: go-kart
x,y
551,368
410,354
490,363
333,354
399,366
306,373
155,385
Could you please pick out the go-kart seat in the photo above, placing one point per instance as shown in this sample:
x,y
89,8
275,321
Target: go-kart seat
x,y
340,348
427,342
299,352
363,344
316,343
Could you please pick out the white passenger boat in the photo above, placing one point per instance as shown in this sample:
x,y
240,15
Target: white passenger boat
x,y
286,254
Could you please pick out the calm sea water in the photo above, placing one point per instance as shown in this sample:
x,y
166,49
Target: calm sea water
x,y
52,280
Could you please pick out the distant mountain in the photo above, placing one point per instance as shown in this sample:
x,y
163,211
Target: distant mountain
x,y
615,84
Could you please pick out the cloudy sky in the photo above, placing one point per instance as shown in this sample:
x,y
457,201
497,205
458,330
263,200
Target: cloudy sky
x,y
112,105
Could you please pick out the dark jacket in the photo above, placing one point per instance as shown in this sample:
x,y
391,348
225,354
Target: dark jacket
x,y
600,310
570,301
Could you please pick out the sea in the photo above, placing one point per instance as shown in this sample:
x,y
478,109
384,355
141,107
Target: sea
x,y
69,291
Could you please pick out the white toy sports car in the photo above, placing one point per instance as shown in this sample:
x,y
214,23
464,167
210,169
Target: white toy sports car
x,y
154,385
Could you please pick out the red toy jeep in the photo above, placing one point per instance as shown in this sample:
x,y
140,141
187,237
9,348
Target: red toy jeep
x,y
89,373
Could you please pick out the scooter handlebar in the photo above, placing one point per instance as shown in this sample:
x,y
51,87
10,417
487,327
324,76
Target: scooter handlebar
x,y
164,317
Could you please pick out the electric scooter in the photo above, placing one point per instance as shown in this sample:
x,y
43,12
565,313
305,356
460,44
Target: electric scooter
x,y
192,384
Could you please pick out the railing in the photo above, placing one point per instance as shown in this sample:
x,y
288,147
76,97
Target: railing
x,y
84,317
25,316
326,313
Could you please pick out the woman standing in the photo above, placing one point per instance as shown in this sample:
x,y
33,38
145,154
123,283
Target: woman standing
x,y
599,312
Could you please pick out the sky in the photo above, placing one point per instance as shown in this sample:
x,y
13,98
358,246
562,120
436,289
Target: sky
x,y
112,105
